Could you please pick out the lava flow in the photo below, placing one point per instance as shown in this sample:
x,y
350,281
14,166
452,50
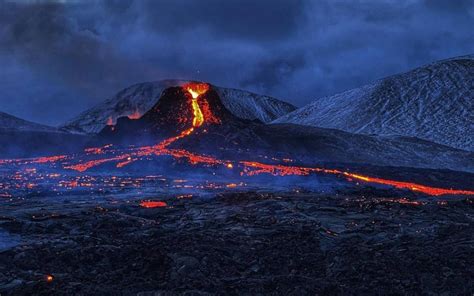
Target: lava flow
x,y
202,114
152,204
196,90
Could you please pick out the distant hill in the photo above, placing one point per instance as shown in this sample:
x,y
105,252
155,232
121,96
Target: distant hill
x,y
12,123
22,138
434,102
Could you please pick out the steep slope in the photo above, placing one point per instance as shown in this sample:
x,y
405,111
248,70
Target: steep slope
x,y
11,123
139,98
434,102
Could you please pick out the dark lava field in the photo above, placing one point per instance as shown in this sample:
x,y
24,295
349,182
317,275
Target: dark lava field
x,y
355,241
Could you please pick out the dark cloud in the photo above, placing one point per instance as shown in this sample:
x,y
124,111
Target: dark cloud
x,y
263,20
60,57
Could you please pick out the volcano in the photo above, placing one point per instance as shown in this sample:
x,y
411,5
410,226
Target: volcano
x,y
225,135
138,99
190,126
194,113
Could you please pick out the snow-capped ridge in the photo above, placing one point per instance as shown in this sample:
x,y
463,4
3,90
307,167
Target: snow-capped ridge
x,y
434,102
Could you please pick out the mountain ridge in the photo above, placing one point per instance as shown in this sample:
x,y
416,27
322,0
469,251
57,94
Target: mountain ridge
x,y
12,123
223,135
433,102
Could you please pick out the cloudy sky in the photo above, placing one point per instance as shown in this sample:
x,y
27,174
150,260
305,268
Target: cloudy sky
x,y
60,57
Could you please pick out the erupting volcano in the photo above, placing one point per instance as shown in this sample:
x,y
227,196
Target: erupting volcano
x,y
195,107
247,173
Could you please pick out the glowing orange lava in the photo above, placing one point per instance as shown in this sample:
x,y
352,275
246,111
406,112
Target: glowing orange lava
x,y
152,204
49,159
255,168
411,186
196,89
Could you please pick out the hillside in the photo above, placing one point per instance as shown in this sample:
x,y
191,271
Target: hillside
x,y
433,102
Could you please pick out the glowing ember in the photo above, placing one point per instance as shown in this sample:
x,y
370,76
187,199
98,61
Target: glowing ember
x,y
49,278
405,201
153,204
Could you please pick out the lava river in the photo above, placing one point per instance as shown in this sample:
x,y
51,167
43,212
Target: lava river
x,y
201,114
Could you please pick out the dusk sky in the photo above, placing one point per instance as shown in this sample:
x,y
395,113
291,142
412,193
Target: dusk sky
x,y
60,57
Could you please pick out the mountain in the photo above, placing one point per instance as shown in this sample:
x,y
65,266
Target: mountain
x,y
433,102
12,123
224,135
22,138
139,98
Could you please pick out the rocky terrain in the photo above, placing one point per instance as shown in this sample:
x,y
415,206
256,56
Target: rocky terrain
x,y
352,242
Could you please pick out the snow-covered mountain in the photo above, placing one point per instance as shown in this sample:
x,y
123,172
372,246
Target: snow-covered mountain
x,y
139,98
434,102
11,123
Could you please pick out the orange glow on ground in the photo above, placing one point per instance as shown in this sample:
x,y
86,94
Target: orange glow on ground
x,y
49,159
149,204
255,168
411,186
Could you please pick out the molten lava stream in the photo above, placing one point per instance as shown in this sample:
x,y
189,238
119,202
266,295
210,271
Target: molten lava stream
x,y
255,168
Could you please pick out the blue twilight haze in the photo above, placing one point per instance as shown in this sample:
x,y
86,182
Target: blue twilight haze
x,y
61,57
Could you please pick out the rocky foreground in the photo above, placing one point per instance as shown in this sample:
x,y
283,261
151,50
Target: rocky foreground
x,y
361,242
